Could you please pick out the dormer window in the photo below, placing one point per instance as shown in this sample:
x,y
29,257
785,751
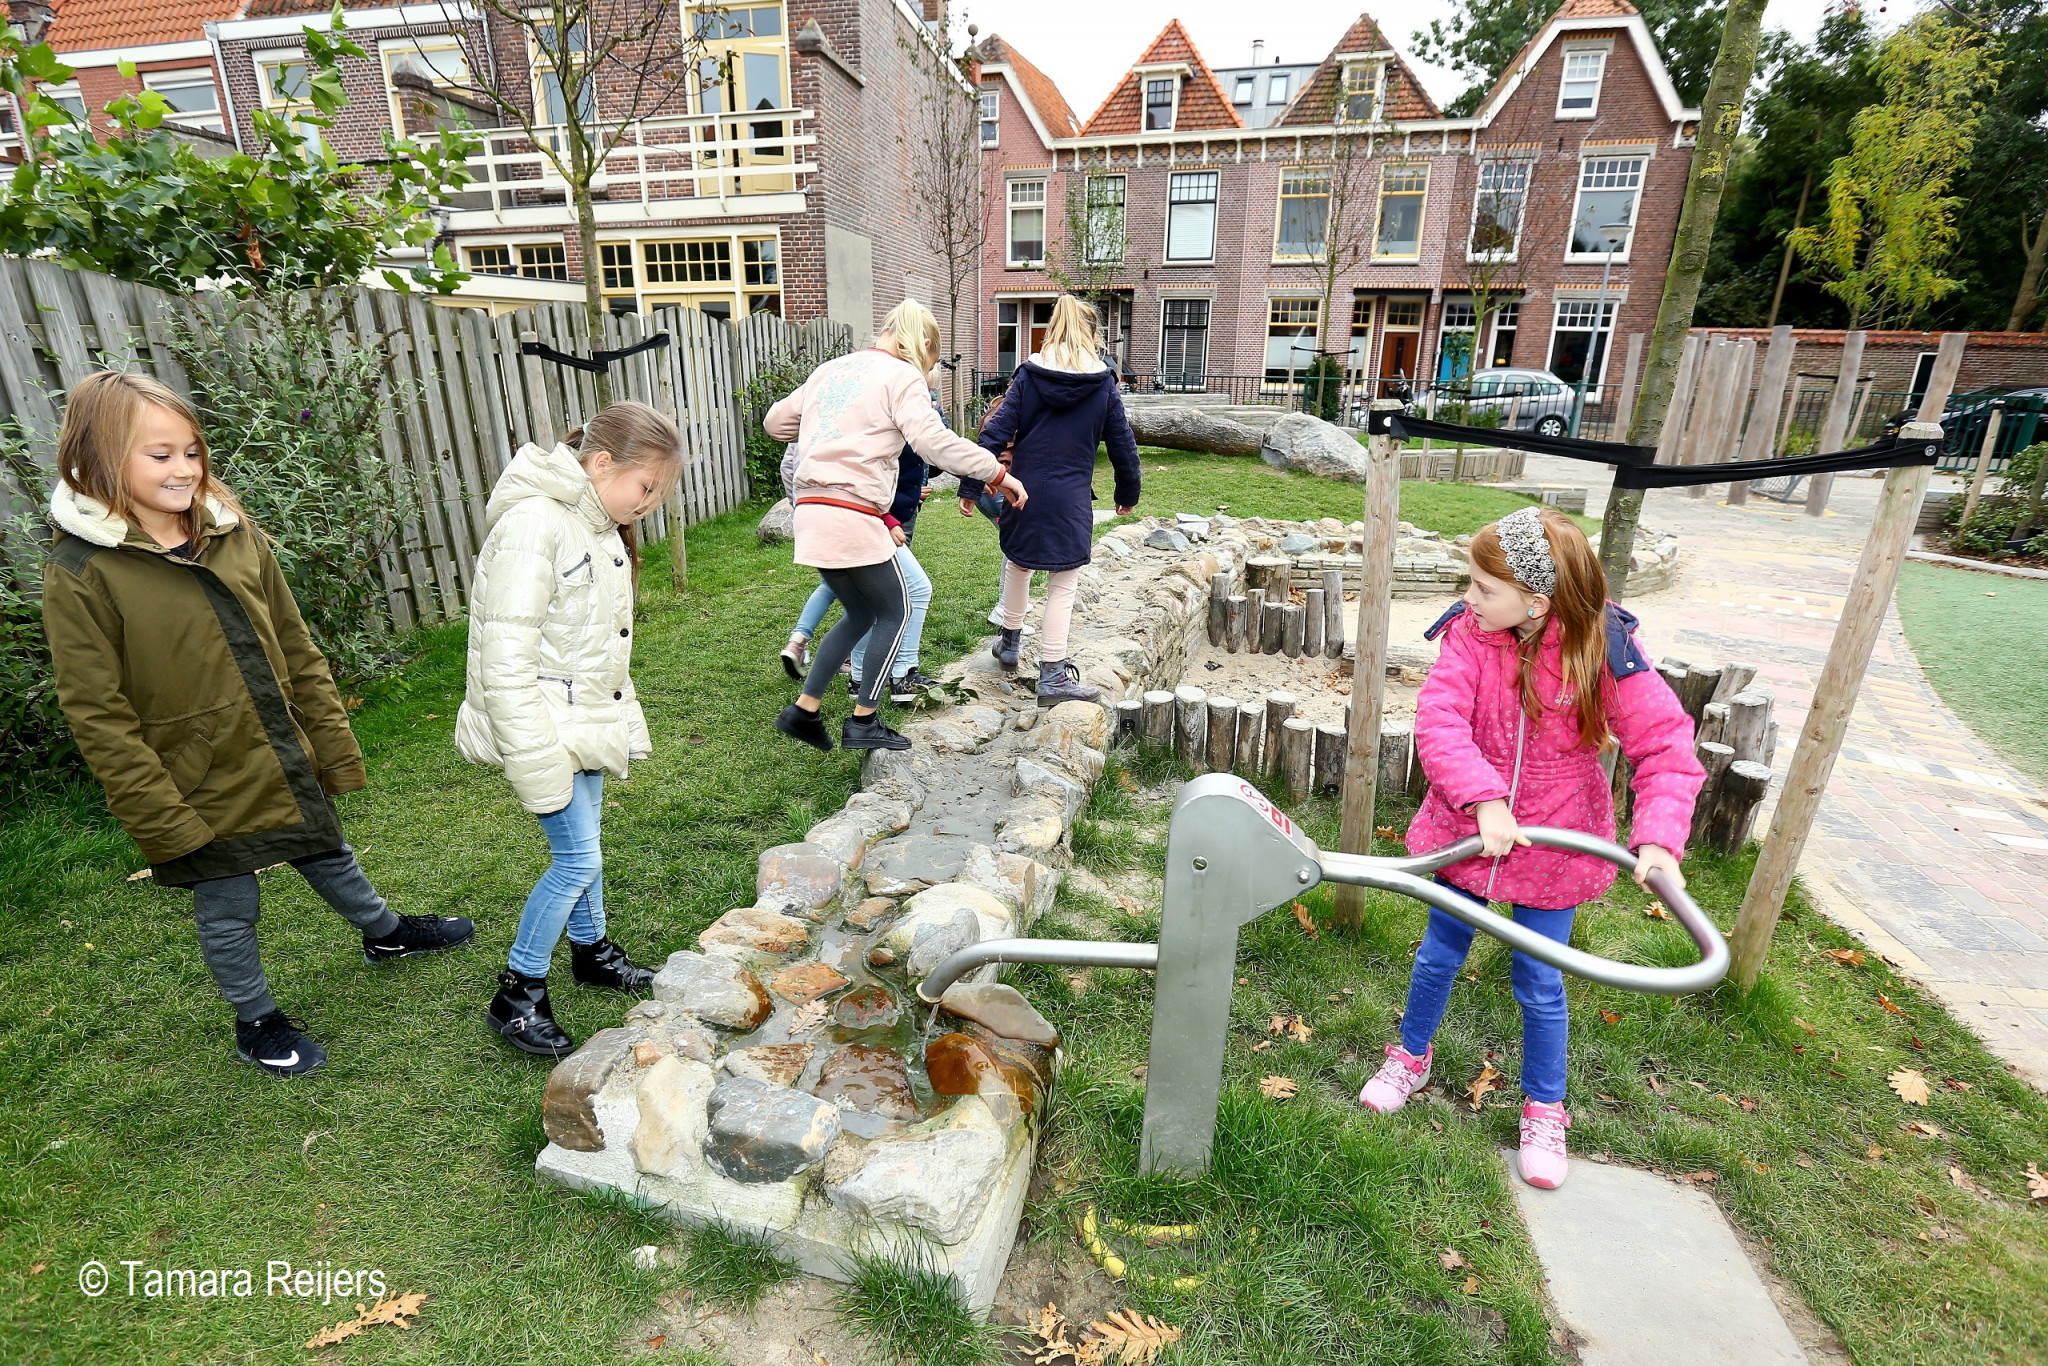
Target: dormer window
x,y
1162,93
1276,89
1243,93
1361,96
1578,94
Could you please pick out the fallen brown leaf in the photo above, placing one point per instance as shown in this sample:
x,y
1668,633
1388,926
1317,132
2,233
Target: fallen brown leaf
x,y
1125,781
1804,1025
1609,1017
1487,1080
40,1267
1134,1339
395,1310
1655,910
658,1341
1952,1084
1922,1128
1450,1260
1278,1088
2037,1184
1471,1285
1262,1045
1963,1181
1700,1178
808,1017
1889,1006
1656,1083
1910,1085
1387,832
1848,958
1307,922
1293,1026
138,875
1802,1161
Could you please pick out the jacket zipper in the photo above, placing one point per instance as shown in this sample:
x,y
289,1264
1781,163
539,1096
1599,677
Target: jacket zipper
x,y
568,685
1514,791
582,563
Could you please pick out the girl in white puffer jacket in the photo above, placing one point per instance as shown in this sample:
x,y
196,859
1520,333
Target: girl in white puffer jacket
x,y
549,698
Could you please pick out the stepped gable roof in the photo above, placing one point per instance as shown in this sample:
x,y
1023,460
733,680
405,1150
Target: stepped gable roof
x,y
1202,102
1404,98
94,25
1053,109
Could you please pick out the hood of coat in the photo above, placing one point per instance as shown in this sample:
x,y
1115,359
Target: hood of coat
x,y
1059,389
556,475
86,517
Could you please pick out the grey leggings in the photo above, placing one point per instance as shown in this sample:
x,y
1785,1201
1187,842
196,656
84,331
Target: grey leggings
x,y
873,595
227,907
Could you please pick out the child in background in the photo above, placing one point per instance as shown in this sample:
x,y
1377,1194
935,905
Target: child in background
x,y
1538,674
550,700
198,697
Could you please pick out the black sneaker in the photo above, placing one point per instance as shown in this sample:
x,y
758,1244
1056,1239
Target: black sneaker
x,y
803,725
910,685
418,934
870,732
521,1014
853,687
278,1045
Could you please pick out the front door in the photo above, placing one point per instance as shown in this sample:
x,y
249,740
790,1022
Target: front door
x,y
1399,352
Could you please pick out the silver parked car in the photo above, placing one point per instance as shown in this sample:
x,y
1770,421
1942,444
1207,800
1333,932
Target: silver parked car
x,y
1546,400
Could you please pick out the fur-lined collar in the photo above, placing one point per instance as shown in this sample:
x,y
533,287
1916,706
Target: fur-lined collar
x,y
78,514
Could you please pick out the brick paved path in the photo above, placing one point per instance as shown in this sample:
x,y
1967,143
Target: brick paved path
x,y
1928,846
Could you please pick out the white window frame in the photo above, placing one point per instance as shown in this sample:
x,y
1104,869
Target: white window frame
x,y
1314,324
1285,81
1598,53
266,62
1010,207
1421,216
1145,82
1248,86
1215,215
68,90
1123,221
1341,113
1208,330
1280,211
191,75
397,47
1496,316
1588,159
1445,328
1597,384
990,130
1513,253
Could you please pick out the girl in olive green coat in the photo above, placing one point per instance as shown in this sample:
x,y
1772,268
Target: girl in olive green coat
x,y
197,696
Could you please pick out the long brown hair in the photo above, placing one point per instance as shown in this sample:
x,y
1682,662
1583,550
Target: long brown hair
x,y
1579,606
101,415
638,436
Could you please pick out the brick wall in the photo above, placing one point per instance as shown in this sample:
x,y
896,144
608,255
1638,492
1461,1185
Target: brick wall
x,y
1992,360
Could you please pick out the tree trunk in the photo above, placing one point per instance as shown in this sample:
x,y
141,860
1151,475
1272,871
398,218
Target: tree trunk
x,y
2030,282
1720,121
582,166
1785,266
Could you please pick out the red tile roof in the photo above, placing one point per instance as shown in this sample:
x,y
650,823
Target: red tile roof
x,y
1045,97
1404,97
1202,103
1595,9
90,25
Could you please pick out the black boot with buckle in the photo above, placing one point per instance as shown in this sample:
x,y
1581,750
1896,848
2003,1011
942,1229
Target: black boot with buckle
x,y
604,964
521,1014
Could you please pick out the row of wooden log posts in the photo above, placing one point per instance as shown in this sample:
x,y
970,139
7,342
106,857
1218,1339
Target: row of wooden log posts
x,y
1264,619
1735,738
1263,740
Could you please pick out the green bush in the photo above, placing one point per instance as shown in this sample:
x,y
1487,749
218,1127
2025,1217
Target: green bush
x,y
2003,511
772,383
35,741
293,412
1322,388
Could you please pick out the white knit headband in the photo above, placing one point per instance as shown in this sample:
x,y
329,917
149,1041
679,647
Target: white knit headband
x,y
1527,547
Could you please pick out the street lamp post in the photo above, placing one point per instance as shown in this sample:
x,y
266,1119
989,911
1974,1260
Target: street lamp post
x,y
1613,234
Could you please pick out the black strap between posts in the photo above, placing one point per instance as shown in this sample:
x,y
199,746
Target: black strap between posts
x,y
598,361
1636,467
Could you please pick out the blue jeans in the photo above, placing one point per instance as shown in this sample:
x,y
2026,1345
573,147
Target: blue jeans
x,y
1539,989
920,586
571,892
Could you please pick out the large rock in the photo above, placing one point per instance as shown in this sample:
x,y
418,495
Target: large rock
x,y
671,1029
759,1133
753,936
868,817
963,1064
774,1064
806,982
1166,538
937,1184
1300,441
714,989
868,1007
565,1109
778,524
911,863
939,903
799,879
1190,429
1032,778
1033,826
1000,1010
864,1077
669,1139
1026,886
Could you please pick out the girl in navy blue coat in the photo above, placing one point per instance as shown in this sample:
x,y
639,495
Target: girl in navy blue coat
x,y
1062,404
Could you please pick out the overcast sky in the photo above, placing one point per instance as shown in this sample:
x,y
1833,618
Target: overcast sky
x,y
1087,45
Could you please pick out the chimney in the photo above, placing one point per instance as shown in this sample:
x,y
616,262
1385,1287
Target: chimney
x,y
1258,50
934,11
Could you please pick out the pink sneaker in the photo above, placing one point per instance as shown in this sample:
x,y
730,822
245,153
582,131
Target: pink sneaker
x,y
1399,1077
1542,1157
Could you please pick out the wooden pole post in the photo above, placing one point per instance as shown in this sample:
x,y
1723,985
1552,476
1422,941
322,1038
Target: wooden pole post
x,y
1155,721
1834,428
1724,417
1757,438
1984,454
678,504
1625,402
1834,694
1219,607
1369,671
1279,706
1251,726
1237,614
1191,725
1312,623
1333,613
544,432
1671,437
1222,737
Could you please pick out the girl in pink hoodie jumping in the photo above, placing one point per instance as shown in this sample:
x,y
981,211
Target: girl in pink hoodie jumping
x,y
1538,674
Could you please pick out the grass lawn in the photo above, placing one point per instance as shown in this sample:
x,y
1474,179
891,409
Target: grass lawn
x,y
1949,614
129,1132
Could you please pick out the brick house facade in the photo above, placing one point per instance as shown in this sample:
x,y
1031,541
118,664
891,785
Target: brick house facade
x,y
1223,226
1900,362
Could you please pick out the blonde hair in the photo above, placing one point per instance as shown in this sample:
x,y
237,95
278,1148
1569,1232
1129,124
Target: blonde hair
x,y
1579,607
1070,338
101,416
636,436
911,333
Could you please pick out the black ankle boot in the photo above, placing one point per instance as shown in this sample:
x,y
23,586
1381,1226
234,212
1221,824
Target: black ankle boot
x,y
521,1013
1007,647
604,964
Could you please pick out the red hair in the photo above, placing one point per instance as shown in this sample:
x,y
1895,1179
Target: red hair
x,y
1579,607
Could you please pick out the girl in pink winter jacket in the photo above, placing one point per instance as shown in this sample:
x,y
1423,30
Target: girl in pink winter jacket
x,y
1538,674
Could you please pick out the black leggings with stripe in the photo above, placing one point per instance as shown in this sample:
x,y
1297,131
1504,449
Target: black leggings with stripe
x,y
873,595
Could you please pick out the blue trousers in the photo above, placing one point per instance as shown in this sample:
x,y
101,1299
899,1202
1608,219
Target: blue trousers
x,y
920,585
1539,990
571,892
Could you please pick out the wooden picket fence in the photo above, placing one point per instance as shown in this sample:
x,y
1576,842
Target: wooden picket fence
x,y
476,398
